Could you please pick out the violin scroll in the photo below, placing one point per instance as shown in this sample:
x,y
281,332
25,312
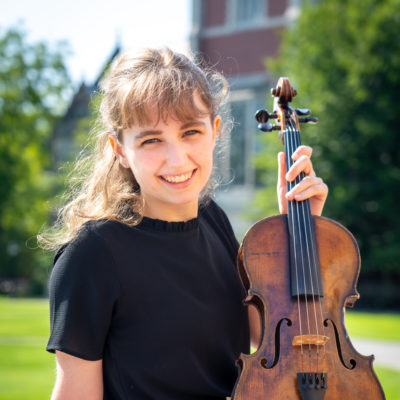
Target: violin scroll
x,y
283,94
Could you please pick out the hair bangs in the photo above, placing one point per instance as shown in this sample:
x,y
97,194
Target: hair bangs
x,y
161,94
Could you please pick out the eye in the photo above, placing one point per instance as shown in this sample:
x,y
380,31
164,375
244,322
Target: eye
x,y
150,141
191,132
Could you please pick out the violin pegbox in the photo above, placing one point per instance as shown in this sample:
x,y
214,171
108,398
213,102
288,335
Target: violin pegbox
x,y
283,94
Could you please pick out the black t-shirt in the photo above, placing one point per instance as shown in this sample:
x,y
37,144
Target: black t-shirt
x,y
159,303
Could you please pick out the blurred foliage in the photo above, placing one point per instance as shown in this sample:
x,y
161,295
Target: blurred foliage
x,y
344,59
34,85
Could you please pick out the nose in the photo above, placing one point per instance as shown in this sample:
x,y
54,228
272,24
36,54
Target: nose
x,y
176,154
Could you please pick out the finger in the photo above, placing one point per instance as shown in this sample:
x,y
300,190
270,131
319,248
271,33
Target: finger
x,y
319,191
302,164
302,151
304,184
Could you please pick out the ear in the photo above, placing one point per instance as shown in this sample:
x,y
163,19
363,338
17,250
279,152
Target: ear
x,y
118,150
216,124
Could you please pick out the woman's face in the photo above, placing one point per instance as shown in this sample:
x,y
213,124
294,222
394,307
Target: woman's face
x,y
172,162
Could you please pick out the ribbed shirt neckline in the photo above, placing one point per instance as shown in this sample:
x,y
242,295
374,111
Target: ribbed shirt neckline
x,y
167,226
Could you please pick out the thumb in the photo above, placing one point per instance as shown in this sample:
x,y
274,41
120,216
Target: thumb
x,y
281,170
281,186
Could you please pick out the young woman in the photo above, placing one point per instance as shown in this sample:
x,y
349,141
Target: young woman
x,y
145,299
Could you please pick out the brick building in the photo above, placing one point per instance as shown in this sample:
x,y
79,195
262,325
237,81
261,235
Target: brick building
x,y
235,36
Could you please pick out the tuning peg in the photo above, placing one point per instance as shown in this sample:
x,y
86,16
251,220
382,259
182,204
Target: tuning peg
x,y
302,112
263,116
265,126
311,120
268,127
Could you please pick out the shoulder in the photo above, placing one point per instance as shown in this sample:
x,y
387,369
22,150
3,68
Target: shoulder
x,y
88,253
93,235
88,239
211,208
216,217
213,212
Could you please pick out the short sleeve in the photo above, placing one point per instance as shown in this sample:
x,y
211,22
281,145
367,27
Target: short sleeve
x,y
83,291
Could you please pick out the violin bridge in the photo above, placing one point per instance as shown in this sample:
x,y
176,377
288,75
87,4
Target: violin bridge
x,y
318,340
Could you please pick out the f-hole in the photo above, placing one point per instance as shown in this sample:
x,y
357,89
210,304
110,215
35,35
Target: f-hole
x,y
264,361
352,362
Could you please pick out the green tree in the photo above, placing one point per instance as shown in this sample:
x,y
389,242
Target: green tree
x,y
343,56
33,90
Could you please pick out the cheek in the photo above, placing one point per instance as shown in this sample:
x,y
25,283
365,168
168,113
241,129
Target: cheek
x,y
143,165
205,155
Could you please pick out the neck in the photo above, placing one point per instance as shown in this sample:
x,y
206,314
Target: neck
x,y
183,212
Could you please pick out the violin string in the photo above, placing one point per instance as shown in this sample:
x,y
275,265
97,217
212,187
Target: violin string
x,y
304,206
291,213
308,242
297,206
315,265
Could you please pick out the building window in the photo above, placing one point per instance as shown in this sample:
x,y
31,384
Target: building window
x,y
248,10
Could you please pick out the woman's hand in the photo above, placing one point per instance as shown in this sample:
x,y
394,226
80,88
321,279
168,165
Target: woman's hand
x,y
311,187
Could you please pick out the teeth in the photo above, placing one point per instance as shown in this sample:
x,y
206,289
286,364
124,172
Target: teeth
x,y
178,178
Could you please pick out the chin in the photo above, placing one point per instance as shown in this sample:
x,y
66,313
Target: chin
x,y
184,200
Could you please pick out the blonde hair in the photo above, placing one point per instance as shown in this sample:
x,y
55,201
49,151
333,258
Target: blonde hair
x,y
99,187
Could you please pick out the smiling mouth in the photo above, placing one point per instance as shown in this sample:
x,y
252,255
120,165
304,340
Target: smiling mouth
x,y
178,178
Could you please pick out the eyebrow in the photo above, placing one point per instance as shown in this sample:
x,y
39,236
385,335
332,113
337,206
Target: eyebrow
x,y
152,132
188,124
143,134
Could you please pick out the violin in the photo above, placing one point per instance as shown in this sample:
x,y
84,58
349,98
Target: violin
x,y
300,272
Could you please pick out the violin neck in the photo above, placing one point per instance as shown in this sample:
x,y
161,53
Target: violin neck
x,y
304,262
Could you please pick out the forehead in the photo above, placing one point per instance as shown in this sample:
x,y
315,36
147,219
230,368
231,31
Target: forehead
x,y
187,113
161,126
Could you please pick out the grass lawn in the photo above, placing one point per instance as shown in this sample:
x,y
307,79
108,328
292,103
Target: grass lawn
x,y
373,326
27,371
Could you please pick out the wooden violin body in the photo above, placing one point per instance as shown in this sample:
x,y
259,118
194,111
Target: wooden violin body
x,y
271,372
301,272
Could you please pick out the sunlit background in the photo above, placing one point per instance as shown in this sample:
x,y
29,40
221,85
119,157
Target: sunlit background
x,y
93,29
343,56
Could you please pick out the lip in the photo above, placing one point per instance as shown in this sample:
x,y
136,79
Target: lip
x,y
179,185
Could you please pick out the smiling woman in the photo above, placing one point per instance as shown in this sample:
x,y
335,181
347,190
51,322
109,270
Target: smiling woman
x,y
145,299
142,216
150,100
171,160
